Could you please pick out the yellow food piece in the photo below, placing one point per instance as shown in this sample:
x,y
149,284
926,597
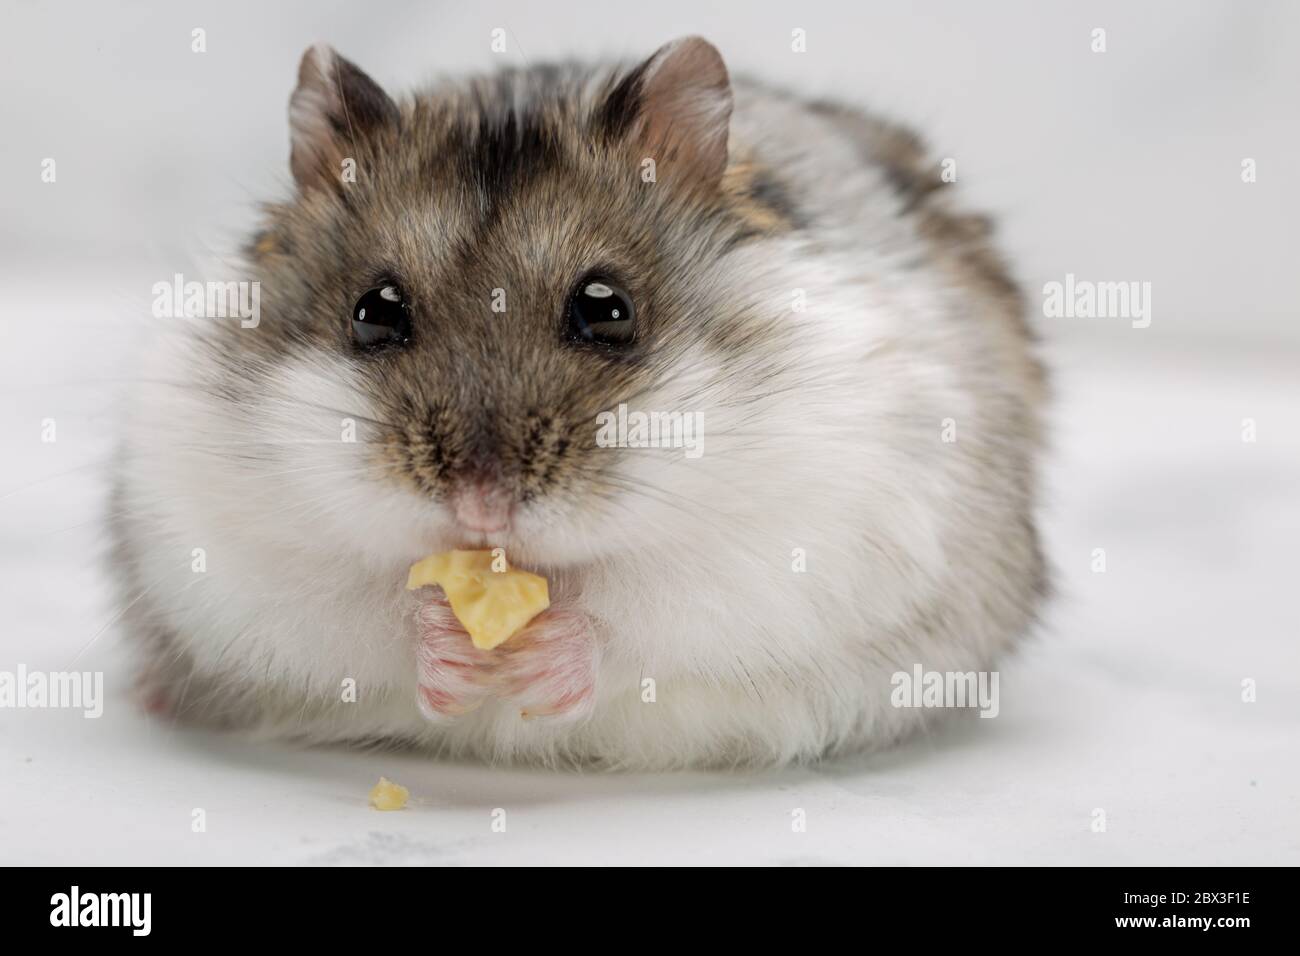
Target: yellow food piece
x,y
386,795
493,605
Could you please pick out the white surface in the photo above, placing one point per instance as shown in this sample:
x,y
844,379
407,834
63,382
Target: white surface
x,y
1115,167
1129,700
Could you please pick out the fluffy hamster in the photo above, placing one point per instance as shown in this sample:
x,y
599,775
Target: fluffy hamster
x,y
463,282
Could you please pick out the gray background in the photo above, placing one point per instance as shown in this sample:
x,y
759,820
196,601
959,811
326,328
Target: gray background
x,y
1116,166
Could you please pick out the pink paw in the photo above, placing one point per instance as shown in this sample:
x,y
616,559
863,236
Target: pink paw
x,y
155,700
454,675
550,669
155,689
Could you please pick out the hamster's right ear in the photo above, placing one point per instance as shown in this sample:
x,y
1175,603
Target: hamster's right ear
x,y
677,107
334,106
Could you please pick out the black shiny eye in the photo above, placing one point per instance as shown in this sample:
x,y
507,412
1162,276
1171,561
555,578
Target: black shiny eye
x,y
601,312
380,318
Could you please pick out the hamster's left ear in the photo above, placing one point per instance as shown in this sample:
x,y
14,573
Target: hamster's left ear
x,y
677,107
334,105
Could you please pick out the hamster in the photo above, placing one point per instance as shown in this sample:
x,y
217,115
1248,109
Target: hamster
x,y
464,287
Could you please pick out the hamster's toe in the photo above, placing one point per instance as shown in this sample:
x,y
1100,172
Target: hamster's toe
x,y
549,670
454,676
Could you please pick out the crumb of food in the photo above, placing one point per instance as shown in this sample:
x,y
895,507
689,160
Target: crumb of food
x,y
493,601
386,795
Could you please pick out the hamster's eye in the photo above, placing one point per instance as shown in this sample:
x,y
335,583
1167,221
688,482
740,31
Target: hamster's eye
x,y
380,318
601,312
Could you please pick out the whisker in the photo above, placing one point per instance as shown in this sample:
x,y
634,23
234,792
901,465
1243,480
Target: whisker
x,y
116,617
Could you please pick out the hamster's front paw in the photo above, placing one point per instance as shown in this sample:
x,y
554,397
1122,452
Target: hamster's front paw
x,y
454,675
549,670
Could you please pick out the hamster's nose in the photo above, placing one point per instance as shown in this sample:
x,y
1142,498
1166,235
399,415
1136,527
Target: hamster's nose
x,y
482,506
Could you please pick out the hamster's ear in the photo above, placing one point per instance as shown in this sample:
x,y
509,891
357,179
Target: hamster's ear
x,y
677,107
334,105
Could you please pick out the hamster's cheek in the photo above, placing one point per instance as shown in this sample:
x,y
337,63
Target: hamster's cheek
x,y
552,534
328,480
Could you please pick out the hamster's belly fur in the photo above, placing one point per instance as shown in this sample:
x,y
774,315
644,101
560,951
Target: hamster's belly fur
x,y
891,523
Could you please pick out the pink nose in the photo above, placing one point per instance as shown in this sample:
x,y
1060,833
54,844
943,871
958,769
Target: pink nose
x,y
483,507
